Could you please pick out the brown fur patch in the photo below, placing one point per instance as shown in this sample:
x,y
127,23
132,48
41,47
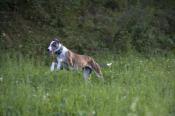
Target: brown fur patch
x,y
81,61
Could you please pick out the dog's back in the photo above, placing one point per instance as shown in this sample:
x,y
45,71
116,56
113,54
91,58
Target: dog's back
x,y
81,61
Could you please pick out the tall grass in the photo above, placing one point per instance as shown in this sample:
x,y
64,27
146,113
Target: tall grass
x,y
133,86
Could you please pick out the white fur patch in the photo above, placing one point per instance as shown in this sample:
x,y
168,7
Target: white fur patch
x,y
52,67
50,46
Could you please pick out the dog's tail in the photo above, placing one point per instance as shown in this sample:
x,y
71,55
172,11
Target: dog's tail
x,y
106,65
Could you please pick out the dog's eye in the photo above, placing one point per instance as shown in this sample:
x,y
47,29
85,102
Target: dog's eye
x,y
53,45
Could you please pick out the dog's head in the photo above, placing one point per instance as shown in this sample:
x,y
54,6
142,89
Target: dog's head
x,y
54,46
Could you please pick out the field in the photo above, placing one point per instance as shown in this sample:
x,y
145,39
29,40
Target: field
x,y
133,86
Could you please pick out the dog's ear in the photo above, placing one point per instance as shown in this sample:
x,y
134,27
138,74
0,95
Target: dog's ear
x,y
56,40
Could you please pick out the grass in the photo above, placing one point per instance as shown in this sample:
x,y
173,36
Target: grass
x,y
133,86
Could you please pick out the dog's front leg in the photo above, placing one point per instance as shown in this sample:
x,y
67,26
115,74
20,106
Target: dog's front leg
x,y
59,63
52,67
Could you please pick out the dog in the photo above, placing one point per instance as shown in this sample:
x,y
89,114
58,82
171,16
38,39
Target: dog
x,y
70,60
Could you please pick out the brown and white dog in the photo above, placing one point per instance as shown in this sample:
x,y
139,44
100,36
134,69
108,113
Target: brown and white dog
x,y
73,60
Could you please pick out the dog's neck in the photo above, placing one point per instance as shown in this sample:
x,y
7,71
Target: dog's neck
x,y
61,50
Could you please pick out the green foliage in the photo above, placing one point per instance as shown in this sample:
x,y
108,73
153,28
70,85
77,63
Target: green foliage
x,y
145,26
133,86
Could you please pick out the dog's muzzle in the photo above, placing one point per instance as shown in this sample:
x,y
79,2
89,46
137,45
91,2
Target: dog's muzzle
x,y
50,52
49,49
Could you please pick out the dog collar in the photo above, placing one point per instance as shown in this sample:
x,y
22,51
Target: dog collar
x,y
59,51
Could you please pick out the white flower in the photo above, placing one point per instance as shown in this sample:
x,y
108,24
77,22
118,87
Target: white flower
x,y
3,34
1,79
134,104
47,94
34,95
17,82
44,97
93,113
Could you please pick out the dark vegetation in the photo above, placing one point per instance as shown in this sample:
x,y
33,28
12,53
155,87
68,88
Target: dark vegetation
x,y
122,32
144,26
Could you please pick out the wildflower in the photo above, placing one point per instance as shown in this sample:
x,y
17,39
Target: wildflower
x,y
141,61
1,79
134,104
93,112
3,34
34,95
47,94
44,97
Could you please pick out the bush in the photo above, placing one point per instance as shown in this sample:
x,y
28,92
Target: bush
x,y
90,25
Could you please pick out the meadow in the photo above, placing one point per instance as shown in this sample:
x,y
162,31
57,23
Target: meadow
x,y
133,86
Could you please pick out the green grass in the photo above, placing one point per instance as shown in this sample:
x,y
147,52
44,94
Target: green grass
x,y
133,86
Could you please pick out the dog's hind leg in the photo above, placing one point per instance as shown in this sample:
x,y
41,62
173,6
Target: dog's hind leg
x,y
96,67
86,72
